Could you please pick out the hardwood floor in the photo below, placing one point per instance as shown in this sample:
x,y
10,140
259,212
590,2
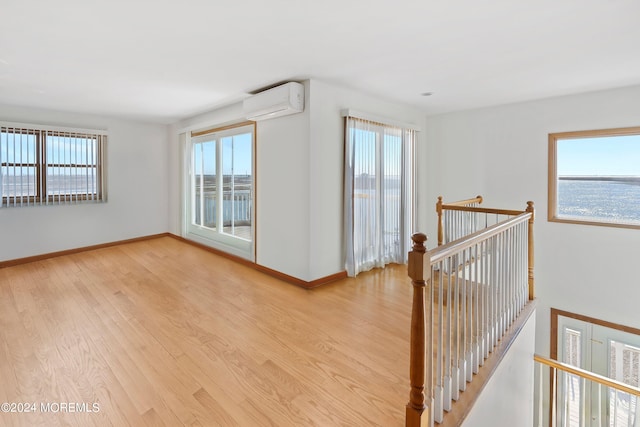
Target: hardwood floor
x,y
162,333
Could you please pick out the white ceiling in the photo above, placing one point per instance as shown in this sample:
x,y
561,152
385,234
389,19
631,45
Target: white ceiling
x,y
162,60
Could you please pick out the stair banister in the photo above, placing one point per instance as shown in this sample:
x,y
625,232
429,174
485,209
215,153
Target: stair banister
x,y
420,407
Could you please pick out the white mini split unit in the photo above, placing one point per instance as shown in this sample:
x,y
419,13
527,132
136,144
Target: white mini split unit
x,y
275,102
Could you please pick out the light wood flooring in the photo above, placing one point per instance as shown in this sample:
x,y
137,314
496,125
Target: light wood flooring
x,y
160,333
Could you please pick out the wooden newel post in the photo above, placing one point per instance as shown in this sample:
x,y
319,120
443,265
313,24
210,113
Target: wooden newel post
x,y
440,228
419,409
531,209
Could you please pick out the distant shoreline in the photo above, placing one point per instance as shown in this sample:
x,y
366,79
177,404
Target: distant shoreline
x,y
612,178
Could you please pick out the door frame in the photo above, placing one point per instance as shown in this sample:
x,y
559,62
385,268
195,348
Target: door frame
x,y
554,327
553,349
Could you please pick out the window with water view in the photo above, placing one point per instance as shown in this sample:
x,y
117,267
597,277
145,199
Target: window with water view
x,y
45,166
378,194
594,177
221,188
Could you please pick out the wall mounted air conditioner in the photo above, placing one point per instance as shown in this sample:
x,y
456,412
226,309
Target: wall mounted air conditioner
x,y
275,102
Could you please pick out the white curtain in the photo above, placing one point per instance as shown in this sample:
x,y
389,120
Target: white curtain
x,y
378,194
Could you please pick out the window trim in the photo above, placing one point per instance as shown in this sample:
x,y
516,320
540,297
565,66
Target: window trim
x,y
41,196
552,215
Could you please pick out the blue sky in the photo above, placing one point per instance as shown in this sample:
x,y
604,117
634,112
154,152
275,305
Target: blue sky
x,y
21,148
618,155
366,150
236,152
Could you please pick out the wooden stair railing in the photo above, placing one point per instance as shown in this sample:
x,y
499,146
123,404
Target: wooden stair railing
x,y
441,207
472,206
426,269
557,369
420,406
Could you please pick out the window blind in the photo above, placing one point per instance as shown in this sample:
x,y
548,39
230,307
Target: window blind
x,y
43,166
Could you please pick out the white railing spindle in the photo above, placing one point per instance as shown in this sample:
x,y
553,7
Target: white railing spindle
x,y
476,287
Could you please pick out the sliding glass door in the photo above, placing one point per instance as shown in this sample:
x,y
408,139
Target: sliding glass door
x,y
220,205
378,194
612,353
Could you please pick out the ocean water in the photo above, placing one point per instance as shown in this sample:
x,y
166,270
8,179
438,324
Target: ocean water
x,y
611,201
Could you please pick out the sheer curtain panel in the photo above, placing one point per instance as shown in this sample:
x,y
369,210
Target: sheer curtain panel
x,y
378,203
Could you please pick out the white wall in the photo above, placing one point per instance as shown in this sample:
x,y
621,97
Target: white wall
x,y
136,184
299,191
221,116
508,396
326,166
583,269
282,190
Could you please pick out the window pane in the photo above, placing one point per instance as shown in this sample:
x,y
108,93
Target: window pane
x,y
364,161
205,186
624,366
392,191
18,181
238,184
18,172
598,179
571,386
71,150
572,347
17,147
365,195
204,164
71,166
624,363
71,181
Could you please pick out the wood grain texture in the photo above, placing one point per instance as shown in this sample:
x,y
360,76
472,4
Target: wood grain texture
x,y
588,375
26,260
162,333
277,274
